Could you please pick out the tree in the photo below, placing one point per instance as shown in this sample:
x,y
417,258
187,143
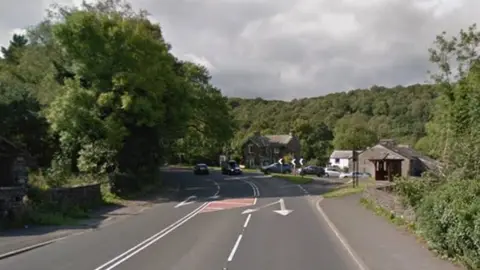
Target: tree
x,y
352,132
12,53
456,123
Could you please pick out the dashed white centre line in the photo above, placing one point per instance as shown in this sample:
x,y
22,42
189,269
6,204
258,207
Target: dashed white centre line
x,y
247,220
234,249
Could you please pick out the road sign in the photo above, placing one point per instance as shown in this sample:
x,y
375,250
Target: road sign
x,y
280,160
301,161
283,209
293,162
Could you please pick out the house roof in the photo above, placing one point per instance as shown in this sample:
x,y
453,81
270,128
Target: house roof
x,y
267,140
279,139
341,154
400,152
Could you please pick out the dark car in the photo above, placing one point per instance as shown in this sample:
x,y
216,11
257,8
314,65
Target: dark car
x,y
201,168
312,170
276,168
231,167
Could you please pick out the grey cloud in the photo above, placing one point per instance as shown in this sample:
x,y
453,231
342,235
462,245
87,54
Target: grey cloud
x,y
255,54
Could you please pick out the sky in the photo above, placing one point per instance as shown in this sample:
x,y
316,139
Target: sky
x,y
286,49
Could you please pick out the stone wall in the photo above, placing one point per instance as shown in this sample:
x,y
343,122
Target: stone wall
x,y
11,198
83,196
386,198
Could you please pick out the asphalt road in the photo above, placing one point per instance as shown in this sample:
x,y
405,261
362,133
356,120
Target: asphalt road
x,y
220,222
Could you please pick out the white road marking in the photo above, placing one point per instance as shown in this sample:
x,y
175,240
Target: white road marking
x,y
28,248
187,201
154,238
303,189
255,201
234,249
361,265
232,203
149,241
247,220
215,208
256,191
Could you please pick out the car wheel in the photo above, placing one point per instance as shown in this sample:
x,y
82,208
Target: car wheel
x,y
326,175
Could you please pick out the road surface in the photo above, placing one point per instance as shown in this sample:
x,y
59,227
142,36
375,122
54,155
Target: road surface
x,y
219,222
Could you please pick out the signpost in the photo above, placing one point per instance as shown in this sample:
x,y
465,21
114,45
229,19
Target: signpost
x,y
281,164
355,168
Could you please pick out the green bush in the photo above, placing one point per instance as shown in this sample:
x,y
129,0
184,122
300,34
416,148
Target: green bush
x,y
449,219
413,190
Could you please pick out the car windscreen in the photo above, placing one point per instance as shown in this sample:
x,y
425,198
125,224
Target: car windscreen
x,y
233,164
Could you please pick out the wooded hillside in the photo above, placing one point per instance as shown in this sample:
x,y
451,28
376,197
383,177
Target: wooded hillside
x,y
344,120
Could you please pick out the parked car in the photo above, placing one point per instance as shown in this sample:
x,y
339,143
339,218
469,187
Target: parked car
x,y
311,170
201,168
231,167
330,172
276,168
351,174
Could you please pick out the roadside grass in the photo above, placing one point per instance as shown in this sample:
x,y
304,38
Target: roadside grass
x,y
390,216
348,189
294,178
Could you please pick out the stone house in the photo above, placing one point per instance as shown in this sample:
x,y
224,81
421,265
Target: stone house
x,y
388,159
259,150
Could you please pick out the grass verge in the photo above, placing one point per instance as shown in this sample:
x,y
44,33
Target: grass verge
x,y
294,178
348,189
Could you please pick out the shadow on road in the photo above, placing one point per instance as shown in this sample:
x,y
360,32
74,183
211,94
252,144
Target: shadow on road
x,y
232,187
177,185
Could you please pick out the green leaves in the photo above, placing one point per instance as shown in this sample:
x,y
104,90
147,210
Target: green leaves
x,y
353,132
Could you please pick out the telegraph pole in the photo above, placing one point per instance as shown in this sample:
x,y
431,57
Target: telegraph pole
x,y
355,168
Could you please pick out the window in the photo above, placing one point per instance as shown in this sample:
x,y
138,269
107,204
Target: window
x,y
250,148
276,150
337,160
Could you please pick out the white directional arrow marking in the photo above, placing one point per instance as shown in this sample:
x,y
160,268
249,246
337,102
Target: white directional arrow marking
x,y
214,197
187,201
283,209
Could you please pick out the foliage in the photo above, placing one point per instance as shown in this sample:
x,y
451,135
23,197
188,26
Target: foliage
x,y
76,93
356,118
449,219
448,207
413,190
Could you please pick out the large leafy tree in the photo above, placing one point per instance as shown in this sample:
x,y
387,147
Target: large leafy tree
x,y
353,132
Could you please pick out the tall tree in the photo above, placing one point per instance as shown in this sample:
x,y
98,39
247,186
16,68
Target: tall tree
x,y
11,53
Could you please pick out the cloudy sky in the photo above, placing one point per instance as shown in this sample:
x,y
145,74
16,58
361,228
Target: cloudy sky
x,y
284,49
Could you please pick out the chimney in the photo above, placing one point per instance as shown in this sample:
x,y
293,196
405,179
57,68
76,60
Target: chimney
x,y
291,133
388,142
405,146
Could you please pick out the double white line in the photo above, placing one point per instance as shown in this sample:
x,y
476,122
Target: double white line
x,y
256,191
149,241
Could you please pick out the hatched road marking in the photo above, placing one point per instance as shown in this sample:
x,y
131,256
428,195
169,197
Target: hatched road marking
x,y
228,204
